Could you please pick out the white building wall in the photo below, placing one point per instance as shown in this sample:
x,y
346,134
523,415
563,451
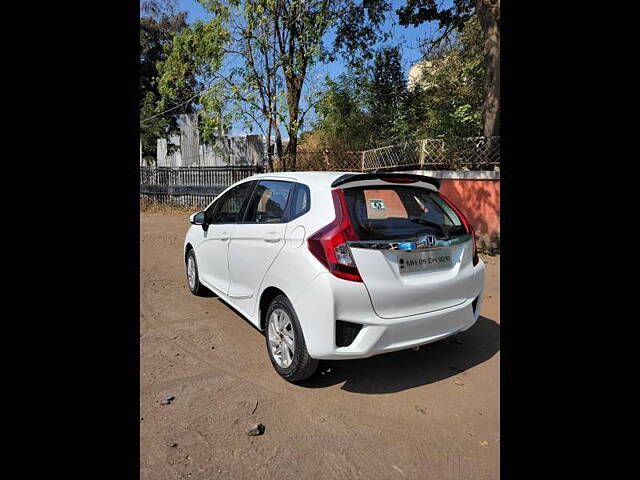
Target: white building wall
x,y
166,159
227,150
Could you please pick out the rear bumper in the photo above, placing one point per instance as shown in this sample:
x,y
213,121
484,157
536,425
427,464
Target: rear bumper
x,y
374,339
328,299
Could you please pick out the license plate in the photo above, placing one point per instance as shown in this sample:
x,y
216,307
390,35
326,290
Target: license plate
x,y
424,261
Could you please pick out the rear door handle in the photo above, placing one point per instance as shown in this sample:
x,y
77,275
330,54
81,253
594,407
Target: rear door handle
x,y
224,236
272,237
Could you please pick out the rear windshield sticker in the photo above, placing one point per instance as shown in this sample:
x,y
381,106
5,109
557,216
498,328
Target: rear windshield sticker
x,y
376,204
382,204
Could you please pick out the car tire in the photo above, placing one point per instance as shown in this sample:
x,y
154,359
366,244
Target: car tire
x,y
282,329
193,282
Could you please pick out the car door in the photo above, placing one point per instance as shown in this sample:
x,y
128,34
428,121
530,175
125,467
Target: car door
x,y
220,219
257,240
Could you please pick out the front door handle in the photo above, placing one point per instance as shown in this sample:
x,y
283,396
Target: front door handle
x,y
272,237
224,236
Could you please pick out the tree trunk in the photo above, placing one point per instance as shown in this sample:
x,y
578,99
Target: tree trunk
x,y
292,151
269,152
279,152
489,15
294,88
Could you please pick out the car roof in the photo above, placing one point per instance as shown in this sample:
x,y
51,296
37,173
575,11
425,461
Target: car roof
x,y
323,178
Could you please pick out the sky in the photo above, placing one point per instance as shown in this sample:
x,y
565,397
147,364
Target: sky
x,y
407,37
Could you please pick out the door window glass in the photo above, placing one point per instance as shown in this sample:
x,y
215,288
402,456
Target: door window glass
x,y
227,209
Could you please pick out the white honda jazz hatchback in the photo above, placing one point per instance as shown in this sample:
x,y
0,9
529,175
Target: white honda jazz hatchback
x,y
333,265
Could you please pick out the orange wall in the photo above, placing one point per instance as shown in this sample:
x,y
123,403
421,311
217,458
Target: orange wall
x,y
479,200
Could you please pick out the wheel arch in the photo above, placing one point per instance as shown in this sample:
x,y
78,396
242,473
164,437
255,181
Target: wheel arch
x,y
267,296
187,247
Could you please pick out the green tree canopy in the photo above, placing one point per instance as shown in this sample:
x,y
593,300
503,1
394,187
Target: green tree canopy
x,y
372,106
255,58
449,92
159,22
452,20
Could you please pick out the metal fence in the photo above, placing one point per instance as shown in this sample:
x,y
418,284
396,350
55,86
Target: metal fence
x,y
193,187
322,161
197,186
201,176
473,153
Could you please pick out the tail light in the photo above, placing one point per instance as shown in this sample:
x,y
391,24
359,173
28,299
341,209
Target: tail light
x,y
329,244
476,259
467,225
398,179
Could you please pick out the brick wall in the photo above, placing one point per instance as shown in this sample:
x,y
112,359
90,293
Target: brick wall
x,y
477,194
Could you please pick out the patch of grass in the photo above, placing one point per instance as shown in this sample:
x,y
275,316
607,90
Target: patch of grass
x,y
148,206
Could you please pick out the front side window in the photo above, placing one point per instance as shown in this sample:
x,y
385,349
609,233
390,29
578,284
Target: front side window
x,y
268,202
227,209
386,213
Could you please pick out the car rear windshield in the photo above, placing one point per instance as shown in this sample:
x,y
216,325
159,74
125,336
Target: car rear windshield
x,y
400,212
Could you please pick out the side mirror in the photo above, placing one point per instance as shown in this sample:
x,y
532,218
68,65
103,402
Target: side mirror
x,y
197,218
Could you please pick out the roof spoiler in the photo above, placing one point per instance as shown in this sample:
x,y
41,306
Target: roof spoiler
x,y
356,177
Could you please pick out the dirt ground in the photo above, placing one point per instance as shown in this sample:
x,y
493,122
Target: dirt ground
x,y
431,414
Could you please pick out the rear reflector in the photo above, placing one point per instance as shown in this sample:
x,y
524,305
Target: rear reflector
x,y
329,244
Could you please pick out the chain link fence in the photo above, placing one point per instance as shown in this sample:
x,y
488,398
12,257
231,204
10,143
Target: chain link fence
x,y
326,160
472,153
199,185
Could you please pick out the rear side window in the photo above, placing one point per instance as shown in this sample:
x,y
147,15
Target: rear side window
x,y
268,202
301,201
400,212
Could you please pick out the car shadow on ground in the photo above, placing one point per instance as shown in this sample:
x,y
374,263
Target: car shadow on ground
x,y
405,369
208,293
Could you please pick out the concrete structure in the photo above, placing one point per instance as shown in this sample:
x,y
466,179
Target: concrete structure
x,y
233,150
226,150
415,73
189,140
168,152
